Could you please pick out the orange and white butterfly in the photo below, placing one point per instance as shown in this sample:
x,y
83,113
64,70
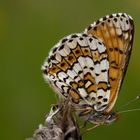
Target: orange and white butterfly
x,y
88,68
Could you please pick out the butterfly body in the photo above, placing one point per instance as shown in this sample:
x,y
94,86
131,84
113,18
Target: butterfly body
x,y
88,68
99,118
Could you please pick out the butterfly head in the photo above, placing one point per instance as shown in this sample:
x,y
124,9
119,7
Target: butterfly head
x,y
111,118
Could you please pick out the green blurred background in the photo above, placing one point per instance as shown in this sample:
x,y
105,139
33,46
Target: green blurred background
x,y
28,29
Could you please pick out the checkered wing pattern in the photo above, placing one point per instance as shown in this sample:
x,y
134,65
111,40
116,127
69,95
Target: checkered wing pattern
x,y
77,68
116,32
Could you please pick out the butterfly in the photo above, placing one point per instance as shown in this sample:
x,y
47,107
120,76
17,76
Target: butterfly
x,y
88,68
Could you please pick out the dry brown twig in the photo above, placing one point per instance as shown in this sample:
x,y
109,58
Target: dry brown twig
x,y
60,124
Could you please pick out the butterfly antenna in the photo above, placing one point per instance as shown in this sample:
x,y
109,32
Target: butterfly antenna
x,y
130,110
131,101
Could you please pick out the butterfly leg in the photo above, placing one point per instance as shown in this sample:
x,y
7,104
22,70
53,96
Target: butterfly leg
x,y
95,126
89,129
84,124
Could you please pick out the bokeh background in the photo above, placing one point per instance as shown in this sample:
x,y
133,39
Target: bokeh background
x,y
28,29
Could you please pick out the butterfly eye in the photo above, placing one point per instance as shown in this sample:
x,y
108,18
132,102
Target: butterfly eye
x,y
111,118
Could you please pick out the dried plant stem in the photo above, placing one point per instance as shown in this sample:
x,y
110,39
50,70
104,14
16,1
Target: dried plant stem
x,y
59,125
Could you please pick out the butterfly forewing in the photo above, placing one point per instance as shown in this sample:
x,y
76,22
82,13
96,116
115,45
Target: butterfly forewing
x,y
116,32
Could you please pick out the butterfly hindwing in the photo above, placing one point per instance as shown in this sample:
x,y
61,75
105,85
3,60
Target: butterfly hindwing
x,y
77,68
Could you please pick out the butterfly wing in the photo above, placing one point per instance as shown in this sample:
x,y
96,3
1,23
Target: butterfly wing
x,y
77,67
116,32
